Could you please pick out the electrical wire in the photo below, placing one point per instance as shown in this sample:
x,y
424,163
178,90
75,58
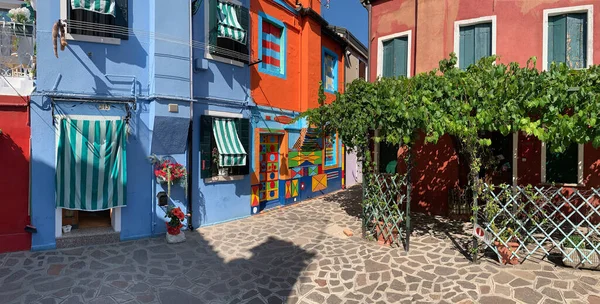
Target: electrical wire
x,y
141,34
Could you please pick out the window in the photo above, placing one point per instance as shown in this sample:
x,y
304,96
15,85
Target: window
x,y
395,57
236,130
362,70
331,150
97,18
228,30
330,71
475,43
4,15
567,40
272,44
562,168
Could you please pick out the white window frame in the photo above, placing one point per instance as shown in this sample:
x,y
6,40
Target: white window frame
x,y
580,148
207,53
468,22
85,38
383,39
589,9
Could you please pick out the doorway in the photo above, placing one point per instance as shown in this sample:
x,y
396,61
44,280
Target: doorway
x,y
269,167
86,219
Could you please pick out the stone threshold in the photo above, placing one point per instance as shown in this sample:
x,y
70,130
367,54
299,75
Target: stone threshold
x,y
87,237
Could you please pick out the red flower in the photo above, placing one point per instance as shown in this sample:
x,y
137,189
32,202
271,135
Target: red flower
x,y
178,214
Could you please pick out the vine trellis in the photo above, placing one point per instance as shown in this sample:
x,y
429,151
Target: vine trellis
x,y
559,106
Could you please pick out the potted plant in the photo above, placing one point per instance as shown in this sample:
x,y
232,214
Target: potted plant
x,y
507,242
222,171
169,172
576,248
508,245
174,225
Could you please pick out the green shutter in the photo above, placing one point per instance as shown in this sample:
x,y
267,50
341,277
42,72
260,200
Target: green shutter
x,y
467,47
243,129
557,39
400,56
388,58
483,41
205,146
576,40
244,19
212,22
475,43
562,167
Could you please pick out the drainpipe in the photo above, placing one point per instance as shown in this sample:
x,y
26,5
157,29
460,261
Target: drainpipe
x,y
191,127
367,4
415,38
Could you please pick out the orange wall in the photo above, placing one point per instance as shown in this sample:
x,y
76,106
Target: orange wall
x,y
299,90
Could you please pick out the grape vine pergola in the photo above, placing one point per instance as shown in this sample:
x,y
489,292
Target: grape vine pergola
x,y
559,106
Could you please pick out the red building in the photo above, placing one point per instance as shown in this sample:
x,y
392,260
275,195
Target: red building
x,y
14,180
411,36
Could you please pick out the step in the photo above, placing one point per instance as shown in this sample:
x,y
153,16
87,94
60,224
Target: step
x,y
87,237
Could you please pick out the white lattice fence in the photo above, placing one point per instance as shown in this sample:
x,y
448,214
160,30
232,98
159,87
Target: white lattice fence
x,y
386,208
520,222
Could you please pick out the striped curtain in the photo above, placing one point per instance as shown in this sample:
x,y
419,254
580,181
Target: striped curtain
x,y
91,166
229,25
231,150
106,7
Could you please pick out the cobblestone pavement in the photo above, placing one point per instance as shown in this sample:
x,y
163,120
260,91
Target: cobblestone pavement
x,y
292,255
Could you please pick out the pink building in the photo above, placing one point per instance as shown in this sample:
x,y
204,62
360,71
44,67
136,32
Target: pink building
x,y
411,36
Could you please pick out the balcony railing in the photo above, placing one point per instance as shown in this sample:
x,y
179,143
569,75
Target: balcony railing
x,y
17,49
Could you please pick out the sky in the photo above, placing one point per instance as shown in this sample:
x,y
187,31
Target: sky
x,y
349,14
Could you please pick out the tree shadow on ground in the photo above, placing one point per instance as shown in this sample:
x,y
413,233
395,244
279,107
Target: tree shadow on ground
x,y
349,200
443,228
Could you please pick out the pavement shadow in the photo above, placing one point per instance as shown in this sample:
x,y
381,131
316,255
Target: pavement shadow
x,y
267,276
349,200
439,227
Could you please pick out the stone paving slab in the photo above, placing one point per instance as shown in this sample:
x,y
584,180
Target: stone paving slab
x,y
293,255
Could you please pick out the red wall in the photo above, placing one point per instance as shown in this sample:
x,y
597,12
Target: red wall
x,y
519,37
14,180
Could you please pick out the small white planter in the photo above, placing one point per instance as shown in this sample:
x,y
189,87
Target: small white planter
x,y
578,258
174,239
223,171
66,228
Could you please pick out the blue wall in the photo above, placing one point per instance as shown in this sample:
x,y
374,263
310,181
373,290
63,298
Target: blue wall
x,y
220,87
152,67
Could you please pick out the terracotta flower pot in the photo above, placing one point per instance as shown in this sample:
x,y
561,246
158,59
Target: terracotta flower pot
x,y
386,234
506,252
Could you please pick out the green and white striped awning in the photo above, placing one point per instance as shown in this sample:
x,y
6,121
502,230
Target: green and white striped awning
x,y
106,7
231,150
229,24
91,164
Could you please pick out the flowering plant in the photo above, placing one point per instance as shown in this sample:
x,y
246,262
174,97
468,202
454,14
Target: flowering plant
x,y
20,15
215,156
174,225
169,172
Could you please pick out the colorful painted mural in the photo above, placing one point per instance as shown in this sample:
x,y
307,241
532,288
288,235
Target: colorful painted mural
x,y
294,163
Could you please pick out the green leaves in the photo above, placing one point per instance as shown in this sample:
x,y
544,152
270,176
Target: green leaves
x,y
559,106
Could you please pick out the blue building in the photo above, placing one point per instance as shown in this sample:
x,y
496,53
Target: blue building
x,y
222,95
123,88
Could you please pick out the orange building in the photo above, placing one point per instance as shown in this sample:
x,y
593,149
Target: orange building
x,y
296,51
